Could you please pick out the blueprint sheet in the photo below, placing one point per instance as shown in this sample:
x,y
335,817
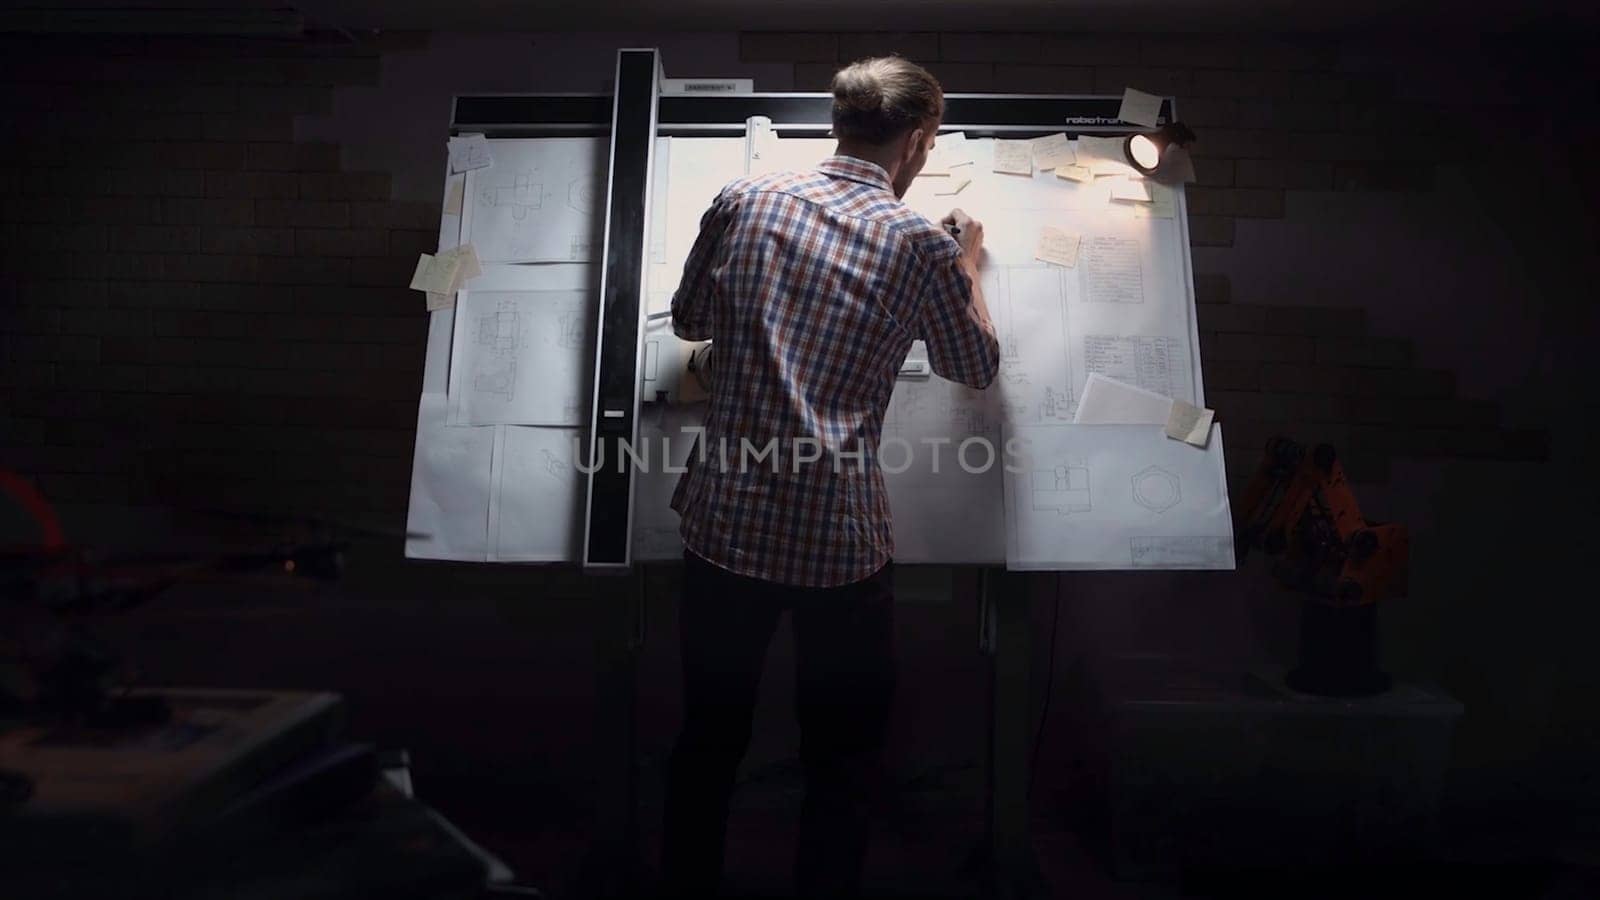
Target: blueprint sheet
x,y
1116,497
540,201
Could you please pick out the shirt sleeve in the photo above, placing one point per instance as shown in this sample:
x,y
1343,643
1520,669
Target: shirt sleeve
x,y
960,348
692,302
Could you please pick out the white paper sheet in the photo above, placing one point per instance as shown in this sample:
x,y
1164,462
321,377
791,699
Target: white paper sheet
x,y
1057,246
520,358
1107,401
1116,497
1139,108
1089,147
693,178
450,484
540,202
948,513
468,152
1052,152
538,516
665,435
949,156
1013,157
1075,173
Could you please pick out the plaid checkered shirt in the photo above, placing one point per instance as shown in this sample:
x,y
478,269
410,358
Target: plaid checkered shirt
x,y
812,286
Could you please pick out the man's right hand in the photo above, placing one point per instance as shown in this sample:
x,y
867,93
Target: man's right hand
x,y
969,234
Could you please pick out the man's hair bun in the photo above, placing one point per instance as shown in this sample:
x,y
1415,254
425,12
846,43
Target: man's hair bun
x,y
877,100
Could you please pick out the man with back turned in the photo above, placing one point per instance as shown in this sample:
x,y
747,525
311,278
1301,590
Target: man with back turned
x,y
812,286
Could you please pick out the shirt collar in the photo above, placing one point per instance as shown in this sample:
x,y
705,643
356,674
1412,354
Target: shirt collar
x,y
856,169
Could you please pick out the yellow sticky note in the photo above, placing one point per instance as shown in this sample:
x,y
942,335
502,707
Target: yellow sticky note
x,y
1189,423
1052,151
440,301
1139,108
1101,148
1057,246
453,195
1075,173
436,274
1013,157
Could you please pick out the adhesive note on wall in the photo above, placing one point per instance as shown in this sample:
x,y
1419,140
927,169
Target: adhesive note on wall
x,y
1140,108
453,195
1052,151
468,152
1189,423
1057,246
1101,148
1013,157
446,271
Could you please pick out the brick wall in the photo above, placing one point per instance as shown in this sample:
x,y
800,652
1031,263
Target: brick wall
x,y
194,303
1273,115
197,309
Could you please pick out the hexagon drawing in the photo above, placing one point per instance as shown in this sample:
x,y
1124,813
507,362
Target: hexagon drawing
x,y
1156,489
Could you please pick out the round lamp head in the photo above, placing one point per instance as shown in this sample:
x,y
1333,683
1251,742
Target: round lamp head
x,y
1143,153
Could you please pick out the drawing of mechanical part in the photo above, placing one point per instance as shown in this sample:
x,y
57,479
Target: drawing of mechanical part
x,y
499,382
523,195
556,467
1056,405
1156,489
1064,489
580,194
498,331
570,336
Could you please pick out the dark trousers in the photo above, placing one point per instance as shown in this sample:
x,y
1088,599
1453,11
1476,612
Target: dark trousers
x,y
844,682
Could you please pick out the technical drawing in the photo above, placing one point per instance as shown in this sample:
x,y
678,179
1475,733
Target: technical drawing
x,y
498,330
580,194
1182,552
1029,303
502,382
1064,489
570,336
1055,405
499,334
1154,362
1156,489
555,466
522,195
1112,271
